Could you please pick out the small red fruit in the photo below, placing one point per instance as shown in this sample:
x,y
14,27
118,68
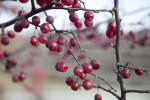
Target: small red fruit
x,y
69,81
73,17
126,73
75,85
34,40
110,34
78,70
5,40
11,34
73,42
45,28
42,39
22,76
18,27
61,40
87,84
88,15
88,23
138,71
51,19
98,97
83,76
63,66
25,23
78,23
53,45
87,67
95,64
15,78
68,2
36,20
23,1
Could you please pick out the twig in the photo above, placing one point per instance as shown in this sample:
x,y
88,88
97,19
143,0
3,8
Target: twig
x,y
32,5
138,91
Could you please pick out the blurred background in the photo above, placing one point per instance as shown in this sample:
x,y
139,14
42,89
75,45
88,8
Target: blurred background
x,y
43,82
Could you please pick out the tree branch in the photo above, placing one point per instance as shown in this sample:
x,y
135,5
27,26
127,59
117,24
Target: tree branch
x,y
32,5
138,91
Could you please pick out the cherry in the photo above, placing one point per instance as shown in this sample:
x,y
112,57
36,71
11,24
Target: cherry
x,y
45,28
83,76
75,85
88,15
57,66
88,23
18,27
68,2
48,1
51,19
36,20
22,76
77,5
138,71
87,67
12,61
112,26
78,70
73,17
53,45
125,73
1,53
10,34
73,42
61,40
95,64
59,4
78,23
63,66
98,97
5,40
87,84
42,39
34,40
60,48
41,2
15,78
6,53
25,23
69,81
110,34
23,1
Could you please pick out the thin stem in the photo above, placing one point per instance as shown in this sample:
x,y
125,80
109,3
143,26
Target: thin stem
x,y
32,5
138,91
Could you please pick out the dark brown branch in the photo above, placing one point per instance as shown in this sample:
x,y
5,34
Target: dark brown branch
x,y
107,90
138,91
117,50
104,81
32,5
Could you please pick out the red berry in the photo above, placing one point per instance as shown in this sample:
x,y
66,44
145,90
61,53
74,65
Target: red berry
x,y
78,70
73,17
51,19
88,15
42,39
121,31
95,64
87,84
110,34
7,67
75,85
61,40
78,23
77,5
83,76
60,48
12,61
88,23
48,1
57,66
47,43
5,40
58,4
87,67
69,81
18,27
11,34
68,2
132,34
34,40
6,53
125,73
73,42
45,28
138,71
36,20
25,23
41,2
22,76
63,66
112,26
53,45
98,97
15,78
1,53
23,1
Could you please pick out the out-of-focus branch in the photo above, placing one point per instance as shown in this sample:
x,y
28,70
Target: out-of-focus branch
x,y
138,91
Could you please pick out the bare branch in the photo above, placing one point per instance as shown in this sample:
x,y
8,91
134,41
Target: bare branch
x,y
138,91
